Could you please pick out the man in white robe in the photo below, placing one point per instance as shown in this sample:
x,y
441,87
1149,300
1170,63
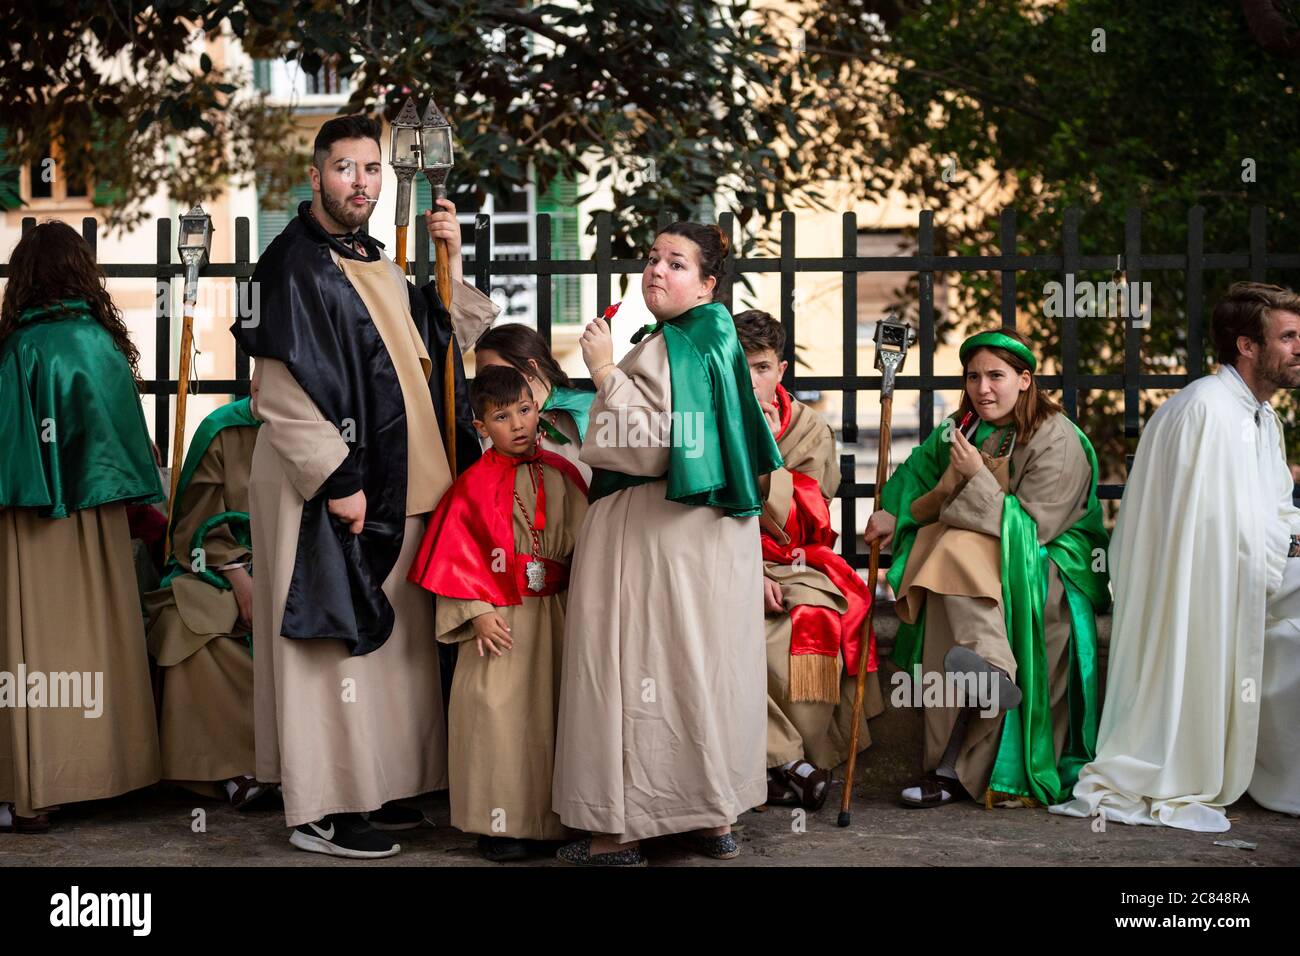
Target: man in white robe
x,y
1201,698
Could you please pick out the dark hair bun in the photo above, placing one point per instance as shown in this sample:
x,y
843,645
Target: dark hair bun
x,y
713,246
723,241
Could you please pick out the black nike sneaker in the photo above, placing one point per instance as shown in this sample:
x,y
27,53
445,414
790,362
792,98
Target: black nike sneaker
x,y
346,835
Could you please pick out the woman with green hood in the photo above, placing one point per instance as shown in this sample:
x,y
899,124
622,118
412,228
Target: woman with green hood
x,y
999,568
76,453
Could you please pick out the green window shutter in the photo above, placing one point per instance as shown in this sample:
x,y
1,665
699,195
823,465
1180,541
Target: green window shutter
x,y
262,75
10,196
560,201
104,192
271,222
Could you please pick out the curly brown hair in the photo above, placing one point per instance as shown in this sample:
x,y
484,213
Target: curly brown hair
x,y
52,263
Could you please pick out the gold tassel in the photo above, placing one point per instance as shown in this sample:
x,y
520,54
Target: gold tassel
x,y
814,679
992,799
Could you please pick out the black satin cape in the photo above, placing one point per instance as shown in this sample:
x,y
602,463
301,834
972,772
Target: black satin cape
x,y
313,320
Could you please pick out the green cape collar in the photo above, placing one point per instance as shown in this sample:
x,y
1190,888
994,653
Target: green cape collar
x,y
720,442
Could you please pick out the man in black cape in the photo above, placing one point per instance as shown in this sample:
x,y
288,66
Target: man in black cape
x,y
349,461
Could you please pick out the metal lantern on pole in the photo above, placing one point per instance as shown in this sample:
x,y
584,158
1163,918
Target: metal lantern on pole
x,y
438,157
193,245
892,339
438,153
405,155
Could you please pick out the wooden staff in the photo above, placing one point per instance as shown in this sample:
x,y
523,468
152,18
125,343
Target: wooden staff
x,y
399,254
891,349
182,392
193,244
442,272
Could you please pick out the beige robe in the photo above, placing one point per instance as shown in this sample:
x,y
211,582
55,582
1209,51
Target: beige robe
x,y
501,730
815,731
662,704
205,680
340,733
69,603
1050,477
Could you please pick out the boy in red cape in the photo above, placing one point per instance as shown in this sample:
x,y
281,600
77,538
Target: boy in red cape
x,y
816,603
496,552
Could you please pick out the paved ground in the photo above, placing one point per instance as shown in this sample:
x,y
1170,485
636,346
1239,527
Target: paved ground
x,y
154,827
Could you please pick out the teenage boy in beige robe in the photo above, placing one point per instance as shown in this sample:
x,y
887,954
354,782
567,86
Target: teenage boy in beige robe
x,y
806,737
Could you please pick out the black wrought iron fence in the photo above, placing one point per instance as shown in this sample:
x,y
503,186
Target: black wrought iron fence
x,y
1193,262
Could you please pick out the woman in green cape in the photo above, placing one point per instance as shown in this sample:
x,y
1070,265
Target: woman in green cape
x,y
999,568
76,452
663,698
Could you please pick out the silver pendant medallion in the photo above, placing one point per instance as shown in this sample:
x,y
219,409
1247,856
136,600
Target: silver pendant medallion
x,y
535,573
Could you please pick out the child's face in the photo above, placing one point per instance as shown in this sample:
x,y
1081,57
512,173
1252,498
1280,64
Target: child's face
x,y
765,371
512,429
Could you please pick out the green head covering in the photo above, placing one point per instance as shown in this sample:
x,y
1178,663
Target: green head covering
x,y
998,340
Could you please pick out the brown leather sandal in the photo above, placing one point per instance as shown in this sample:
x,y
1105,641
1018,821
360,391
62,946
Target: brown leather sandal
x,y
779,791
813,788
932,790
248,791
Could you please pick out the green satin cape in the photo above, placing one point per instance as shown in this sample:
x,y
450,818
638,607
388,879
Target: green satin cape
x,y
574,401
1026,761
73,430
710,383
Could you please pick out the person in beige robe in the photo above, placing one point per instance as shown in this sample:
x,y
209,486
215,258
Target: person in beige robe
x,y
806,737
504,696
76,707
339,733
662,703
954,573
344,734
89,626
630,760
199,634
501,741
806,732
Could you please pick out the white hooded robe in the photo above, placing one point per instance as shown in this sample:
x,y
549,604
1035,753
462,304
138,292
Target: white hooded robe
x,y
1198,561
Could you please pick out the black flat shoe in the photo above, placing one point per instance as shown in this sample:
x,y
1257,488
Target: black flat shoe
x,y
579,853
502,849
394,816
722,847
779,791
